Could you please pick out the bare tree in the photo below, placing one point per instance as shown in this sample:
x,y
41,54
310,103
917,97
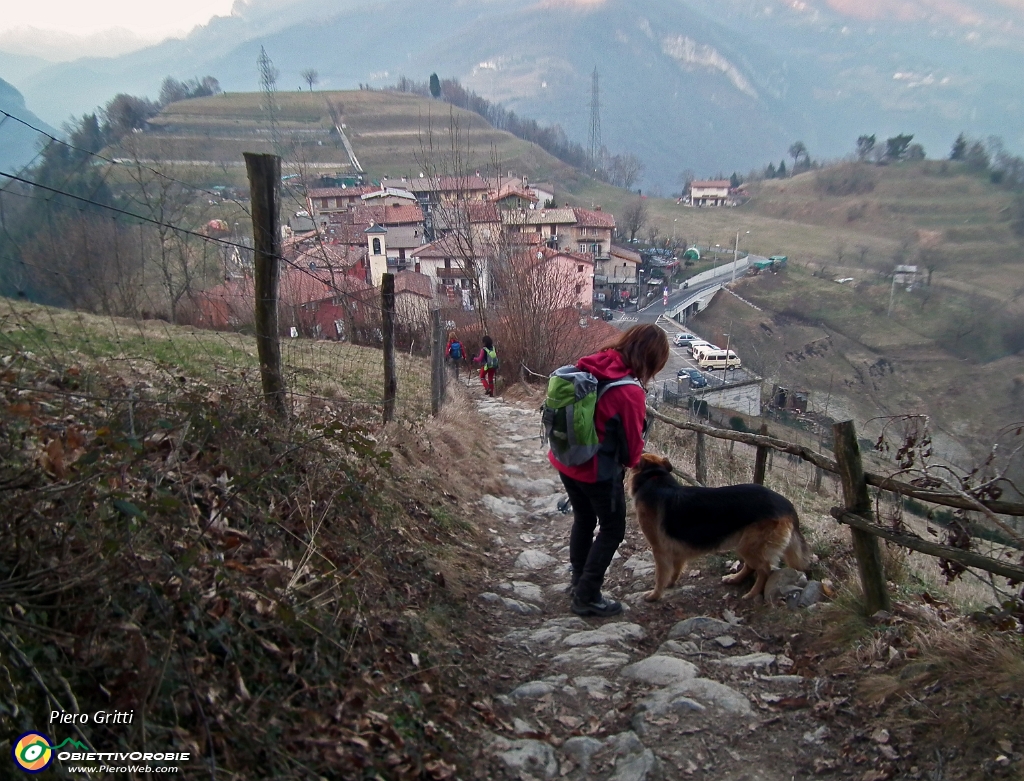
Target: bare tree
x,y
311,76
541,323
796,151
625,170
635,217
161,192
447,164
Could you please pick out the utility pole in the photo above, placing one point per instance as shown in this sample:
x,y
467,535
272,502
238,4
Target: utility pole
x,y
735,256
594,142
892,294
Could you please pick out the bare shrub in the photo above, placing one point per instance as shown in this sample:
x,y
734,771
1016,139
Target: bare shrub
x,y
845,179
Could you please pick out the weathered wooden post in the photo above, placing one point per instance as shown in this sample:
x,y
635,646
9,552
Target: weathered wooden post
x,y
387,318
264,172
761,458
700,459
438,379
857,501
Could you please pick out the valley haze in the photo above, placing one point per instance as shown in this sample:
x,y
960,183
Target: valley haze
x,y
686,85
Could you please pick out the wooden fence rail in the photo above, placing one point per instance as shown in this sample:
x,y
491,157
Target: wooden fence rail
x,y
967,558
945,498
857,514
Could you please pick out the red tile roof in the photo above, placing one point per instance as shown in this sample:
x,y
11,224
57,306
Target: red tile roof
x,y
413,282
481,211
591,218
379,214
626,254
433,250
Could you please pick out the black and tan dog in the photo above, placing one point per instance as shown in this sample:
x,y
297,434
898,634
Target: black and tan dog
x,y
683,522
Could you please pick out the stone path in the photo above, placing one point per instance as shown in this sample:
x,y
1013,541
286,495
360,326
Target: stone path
x,y
686,688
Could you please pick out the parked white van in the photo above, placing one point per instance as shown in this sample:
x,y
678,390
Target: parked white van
x,y
718,359
698,348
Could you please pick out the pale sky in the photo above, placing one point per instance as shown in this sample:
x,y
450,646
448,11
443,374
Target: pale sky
x,y
148,18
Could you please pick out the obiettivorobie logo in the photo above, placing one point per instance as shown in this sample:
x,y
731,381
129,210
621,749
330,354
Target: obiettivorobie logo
x,y
33,753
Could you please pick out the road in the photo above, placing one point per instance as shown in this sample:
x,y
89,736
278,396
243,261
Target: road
x,y
679,357
656,308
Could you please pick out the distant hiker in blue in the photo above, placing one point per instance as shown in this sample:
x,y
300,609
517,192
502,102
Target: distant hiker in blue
x,y
455,353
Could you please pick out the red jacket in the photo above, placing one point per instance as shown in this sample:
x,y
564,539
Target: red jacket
x,y
625,405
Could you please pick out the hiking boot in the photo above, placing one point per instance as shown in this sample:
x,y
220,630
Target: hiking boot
x,y
602,607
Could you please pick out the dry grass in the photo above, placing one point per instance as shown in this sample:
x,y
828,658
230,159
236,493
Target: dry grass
x,y
148,350
933,678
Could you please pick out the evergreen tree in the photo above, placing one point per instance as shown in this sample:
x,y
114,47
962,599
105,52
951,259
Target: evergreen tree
x,y
896,147
769,172
734,180
435,85
959,150
782,170
865,145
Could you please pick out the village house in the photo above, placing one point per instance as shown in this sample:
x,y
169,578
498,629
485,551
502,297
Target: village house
x,y
615,276
404,226
592,231
414,296
322,202
513,195
709,193
551,226
574,270
350,313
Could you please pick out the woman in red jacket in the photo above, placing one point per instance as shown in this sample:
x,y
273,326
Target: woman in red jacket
x,y
596,487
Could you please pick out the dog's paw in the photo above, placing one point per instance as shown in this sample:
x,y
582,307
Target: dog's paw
x,y
732,580
652,596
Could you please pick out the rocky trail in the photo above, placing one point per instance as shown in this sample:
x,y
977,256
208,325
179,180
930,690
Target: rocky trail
x,y
700,685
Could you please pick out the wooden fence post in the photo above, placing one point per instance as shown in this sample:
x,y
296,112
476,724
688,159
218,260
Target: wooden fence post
x,y
857,500
438,379
761,458
387,319
700,459
264,172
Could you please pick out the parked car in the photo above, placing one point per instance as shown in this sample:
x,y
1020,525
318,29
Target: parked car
x,y
696,379
683,339
607,314
699,344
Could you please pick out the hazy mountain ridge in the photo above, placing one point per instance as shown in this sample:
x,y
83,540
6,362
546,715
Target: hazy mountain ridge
x,y
18,143
685,84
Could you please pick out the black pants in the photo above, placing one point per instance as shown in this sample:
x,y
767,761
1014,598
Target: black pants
x,y
603,502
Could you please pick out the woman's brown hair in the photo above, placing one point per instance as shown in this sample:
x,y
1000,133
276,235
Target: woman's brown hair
x,y
644,349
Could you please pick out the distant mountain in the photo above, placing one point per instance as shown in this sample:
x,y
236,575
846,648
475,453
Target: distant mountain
x,y
16,68
18,143
707,85
59,46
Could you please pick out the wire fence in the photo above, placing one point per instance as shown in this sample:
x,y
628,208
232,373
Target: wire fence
x,y
106,260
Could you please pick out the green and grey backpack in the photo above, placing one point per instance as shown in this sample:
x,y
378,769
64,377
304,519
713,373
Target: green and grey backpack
x,y
568,413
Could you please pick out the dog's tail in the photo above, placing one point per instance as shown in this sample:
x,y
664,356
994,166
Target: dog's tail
x,y
798,553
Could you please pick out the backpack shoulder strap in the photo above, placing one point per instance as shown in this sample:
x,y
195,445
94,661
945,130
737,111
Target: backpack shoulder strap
x,y
603,386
